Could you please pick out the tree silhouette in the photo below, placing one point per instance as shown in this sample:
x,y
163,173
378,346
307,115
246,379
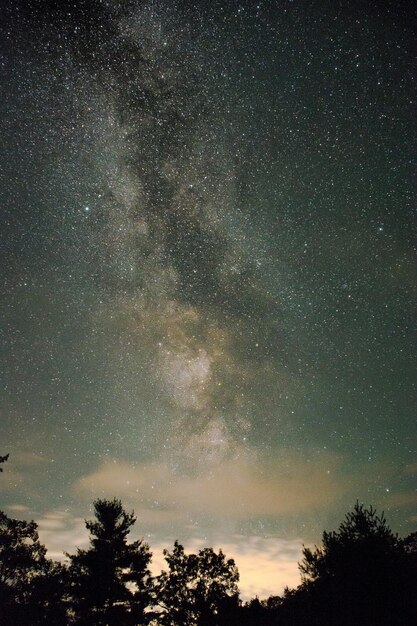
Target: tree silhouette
x,y
110,583
31,586
197,588
21,553
410,544
259,612
361,575
3,459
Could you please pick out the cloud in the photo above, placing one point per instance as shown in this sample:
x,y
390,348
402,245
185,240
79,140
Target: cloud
x,y
233,489
61,532
266,565
19,509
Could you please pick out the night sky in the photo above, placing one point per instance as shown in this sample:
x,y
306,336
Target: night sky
x,y
208,270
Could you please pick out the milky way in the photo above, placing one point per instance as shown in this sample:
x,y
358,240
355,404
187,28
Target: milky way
x,y
209,265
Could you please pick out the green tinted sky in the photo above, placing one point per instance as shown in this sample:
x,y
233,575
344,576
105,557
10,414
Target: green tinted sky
x,y
209,269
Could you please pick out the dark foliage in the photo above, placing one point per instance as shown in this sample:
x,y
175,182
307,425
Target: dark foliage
x,y
31,586
110,583
361,575
197,588
3,459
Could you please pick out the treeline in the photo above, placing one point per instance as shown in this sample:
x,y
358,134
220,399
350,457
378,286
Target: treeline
x,y
361,575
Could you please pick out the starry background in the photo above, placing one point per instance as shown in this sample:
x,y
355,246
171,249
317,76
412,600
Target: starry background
x,y
209,281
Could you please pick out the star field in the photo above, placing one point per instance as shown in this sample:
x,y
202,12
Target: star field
x,y
209,266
